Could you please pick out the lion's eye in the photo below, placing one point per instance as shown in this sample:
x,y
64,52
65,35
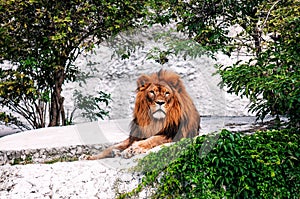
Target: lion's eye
x,y
152,93
167,94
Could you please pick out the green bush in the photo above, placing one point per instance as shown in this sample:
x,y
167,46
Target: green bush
x,y
261,165
265,31
93,107
271,79
271,82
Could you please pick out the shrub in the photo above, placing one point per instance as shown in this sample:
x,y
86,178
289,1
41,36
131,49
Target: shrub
x,y
261,165
265,31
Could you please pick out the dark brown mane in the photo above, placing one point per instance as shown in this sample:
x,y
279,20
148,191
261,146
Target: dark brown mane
x,y
182,120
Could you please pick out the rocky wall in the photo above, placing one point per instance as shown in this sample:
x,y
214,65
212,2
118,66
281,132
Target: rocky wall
x,y
48,155
109,73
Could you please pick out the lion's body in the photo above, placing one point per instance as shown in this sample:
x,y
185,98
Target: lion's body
x,y
164,112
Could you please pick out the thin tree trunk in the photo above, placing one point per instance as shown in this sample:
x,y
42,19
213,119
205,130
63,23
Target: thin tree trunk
x,y
57,108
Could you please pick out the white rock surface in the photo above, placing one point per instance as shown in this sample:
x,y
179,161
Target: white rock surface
x,y
82,179
99,132
118,77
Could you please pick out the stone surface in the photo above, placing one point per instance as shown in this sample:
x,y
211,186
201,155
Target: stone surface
x,y
82,179
110,74
101,132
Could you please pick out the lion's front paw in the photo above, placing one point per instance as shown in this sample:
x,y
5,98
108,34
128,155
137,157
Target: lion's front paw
x,y
85,157
135,149
116,153
128,153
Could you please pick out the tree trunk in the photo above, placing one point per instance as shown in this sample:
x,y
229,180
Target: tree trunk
x,y
56,107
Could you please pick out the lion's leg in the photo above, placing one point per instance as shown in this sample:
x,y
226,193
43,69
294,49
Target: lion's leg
x,y
107,153
143,146
152,142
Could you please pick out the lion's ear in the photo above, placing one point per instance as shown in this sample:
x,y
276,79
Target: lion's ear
x,y
178,85
143,81
175,82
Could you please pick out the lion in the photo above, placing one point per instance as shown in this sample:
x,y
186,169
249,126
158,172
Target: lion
x,y
163,113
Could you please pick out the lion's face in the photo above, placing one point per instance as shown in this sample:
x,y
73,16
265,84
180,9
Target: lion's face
x,y
163,106
159,98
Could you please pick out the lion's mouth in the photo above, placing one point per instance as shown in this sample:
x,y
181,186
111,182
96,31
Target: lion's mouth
x,y
159,114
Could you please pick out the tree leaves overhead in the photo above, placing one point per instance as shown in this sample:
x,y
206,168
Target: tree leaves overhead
x,y
61,26
208,21
271,78
43,38
265,31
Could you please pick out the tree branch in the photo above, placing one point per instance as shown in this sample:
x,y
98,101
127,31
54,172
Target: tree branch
x,y
268,14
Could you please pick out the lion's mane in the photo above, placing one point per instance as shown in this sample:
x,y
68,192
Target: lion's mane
x,y
182,120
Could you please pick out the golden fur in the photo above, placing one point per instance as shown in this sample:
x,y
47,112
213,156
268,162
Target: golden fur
x,y
163,112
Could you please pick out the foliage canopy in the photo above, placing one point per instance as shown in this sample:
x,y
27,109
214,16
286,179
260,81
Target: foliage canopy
x,y
42,38
265,36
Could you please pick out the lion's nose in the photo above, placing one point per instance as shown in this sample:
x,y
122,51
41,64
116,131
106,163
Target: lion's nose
x,y
160,102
